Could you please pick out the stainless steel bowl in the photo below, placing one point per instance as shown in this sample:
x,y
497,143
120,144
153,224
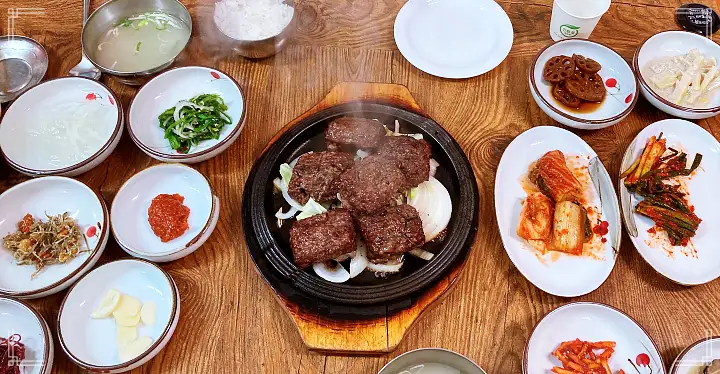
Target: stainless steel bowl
x,y
23,63
260,48
109,13
431,355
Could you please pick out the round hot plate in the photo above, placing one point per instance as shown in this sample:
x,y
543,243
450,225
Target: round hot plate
x,y
269,244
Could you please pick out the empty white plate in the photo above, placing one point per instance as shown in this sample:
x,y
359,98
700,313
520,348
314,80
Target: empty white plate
x,y
635,351
555,273
91,343
19,318
129,213
453,38
51,196
696,356
680,264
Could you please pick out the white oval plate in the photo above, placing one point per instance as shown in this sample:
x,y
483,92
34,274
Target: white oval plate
x,y
164,92
453,38
35,103
52,196
683,267
697,355
17,317
91,343
618,77
129,214
568,276
591,322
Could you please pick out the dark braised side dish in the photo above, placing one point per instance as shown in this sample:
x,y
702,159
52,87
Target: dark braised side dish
x,y
411,155
371,185
316,176
395,231
322,237
350,134
575,80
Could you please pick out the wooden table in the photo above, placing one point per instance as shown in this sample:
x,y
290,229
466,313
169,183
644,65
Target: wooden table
x,y
230,321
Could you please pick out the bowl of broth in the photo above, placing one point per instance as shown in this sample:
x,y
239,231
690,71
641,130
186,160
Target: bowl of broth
x,y
133,40
431,361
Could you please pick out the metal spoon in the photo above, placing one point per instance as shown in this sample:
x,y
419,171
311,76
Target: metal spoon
x,y
85,68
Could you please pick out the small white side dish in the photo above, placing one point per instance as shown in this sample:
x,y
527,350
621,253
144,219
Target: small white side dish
x,y
51,196
164,91
696,355
618,78
668,44
680,264
453,38
591,322
16,317
91,343
555,273
418,359
41,127
129,212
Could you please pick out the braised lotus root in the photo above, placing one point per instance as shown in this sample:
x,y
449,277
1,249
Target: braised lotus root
x,y
588,87
587,65
558,68
564,96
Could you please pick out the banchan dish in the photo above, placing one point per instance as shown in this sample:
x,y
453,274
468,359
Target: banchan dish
x,y
269,245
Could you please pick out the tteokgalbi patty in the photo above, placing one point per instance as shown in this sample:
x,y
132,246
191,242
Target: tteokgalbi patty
x,y
350,134
396,230
322,237
315,176
412,156
372,185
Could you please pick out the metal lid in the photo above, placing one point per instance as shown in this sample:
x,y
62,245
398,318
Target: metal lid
x,y
23,63
698,18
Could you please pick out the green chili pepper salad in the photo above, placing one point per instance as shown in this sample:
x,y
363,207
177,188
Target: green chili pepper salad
x,y
189,122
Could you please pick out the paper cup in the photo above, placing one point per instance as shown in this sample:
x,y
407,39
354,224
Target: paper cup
x,y
576,18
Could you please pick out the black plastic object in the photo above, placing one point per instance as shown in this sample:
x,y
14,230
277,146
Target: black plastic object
x,y
698,18
269,244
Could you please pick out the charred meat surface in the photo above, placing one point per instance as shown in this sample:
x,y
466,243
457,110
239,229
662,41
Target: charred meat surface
x,y
316,176
322,237
394,231
350,133
371,185
412,156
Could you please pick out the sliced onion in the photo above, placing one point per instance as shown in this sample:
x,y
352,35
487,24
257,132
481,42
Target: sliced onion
x,y
433,167
384,268
433,203
289,214
421,253
360,261
360,154
334,274
289,199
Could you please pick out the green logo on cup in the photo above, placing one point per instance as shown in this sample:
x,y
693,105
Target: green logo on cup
x,y
569,31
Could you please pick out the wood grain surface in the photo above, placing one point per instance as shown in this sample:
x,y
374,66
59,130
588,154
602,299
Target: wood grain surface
x,y
230,321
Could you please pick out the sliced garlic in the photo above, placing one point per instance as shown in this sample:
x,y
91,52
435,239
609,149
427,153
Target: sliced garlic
x,y
134,348
126,335
147,313
129,306
129,321
108,304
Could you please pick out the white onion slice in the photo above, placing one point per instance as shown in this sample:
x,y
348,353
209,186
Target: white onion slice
x,y
433,167
360,261
433,203
384,268
421,253
336,274
290,213
289,199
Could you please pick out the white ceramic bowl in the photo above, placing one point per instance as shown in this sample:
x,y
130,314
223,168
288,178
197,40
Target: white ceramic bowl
x,y
620,84
699,262
52,196
91,343
555,273
26,154
423,356
164,91
16,317
129,213
697,355
453,38
673,43
592,322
